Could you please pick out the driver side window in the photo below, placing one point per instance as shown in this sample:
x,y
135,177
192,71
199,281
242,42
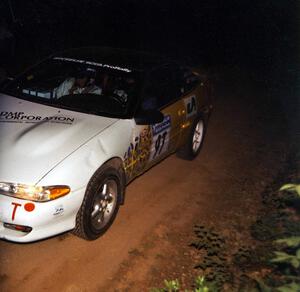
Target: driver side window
x,y
162,87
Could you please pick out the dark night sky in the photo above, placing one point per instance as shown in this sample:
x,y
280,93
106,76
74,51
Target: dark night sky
x,y
260,35
259,38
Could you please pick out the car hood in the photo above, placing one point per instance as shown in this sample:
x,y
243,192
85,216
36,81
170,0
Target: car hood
x,y
34,137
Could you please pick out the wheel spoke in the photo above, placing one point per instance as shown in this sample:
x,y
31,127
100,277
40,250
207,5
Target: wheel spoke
x,y
97,210
104,204
104,189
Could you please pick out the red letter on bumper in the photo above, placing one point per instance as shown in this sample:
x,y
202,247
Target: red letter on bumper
x,y
16,205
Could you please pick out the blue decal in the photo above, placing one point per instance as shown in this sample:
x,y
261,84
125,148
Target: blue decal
x,y
165,124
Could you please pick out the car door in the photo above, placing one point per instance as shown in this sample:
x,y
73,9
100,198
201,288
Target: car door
x,y
163,92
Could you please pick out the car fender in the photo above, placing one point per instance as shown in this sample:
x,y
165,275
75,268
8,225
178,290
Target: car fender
x,y
84,162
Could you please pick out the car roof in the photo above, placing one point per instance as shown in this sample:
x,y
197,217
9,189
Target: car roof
x,y
133,60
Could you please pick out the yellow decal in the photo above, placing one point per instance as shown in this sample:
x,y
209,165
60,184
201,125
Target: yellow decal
x,y
137,155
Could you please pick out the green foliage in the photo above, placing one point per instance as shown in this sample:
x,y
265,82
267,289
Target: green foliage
x,y
288,258
170,286
174,285
292,241
292,287
214,264
283,257
291,188
274,220
289,253
201,285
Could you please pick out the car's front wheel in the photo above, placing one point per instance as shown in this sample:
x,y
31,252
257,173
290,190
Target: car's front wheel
x,y
100,204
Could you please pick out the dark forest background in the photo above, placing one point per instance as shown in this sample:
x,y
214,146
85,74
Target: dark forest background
x,y
260,38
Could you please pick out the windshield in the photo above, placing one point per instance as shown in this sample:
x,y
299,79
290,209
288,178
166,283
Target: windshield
x,y
90,87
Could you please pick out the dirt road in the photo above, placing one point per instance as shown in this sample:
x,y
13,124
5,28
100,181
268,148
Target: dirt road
x,y
242,153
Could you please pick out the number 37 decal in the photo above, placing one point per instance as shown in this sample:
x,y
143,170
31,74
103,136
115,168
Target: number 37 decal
x,y
161,134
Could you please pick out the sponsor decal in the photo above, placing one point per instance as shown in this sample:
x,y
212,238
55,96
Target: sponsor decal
x,y
21,117
15,207
190,105
153,139
93,63
161,127
58,210
161,137
138,153
29,207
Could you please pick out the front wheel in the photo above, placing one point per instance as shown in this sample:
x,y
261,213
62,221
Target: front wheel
x,y
100,204
194,141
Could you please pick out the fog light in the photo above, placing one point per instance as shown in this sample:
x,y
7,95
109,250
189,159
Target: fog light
x,y
21,228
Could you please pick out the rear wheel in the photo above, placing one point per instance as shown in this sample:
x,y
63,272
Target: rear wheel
x,y
100,204
194,142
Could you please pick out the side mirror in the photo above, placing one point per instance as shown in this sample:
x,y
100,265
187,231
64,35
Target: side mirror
x,y
148,117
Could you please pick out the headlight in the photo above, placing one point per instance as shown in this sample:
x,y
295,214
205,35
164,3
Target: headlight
x,y
33,193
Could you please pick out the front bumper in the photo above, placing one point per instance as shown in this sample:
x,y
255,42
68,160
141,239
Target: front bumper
x,y
41,219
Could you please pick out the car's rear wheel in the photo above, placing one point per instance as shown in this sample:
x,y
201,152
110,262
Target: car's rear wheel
x,y
195,140
100,204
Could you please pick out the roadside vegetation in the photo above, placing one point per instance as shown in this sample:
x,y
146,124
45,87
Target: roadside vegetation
x,y
272,263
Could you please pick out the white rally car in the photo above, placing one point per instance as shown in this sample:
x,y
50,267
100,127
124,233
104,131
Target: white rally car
x,y
78,127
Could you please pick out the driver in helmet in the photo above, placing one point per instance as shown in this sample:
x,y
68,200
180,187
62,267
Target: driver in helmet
x,y
82,82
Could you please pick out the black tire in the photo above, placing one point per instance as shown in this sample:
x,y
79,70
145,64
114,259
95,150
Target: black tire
x,y
103,194
187,151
